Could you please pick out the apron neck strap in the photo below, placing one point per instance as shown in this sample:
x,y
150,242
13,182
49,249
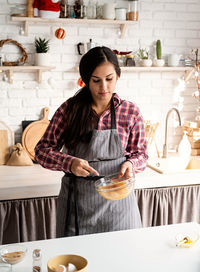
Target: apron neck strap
x,y
113,115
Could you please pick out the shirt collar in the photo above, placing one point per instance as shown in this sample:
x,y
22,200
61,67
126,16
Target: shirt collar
x,y
117,100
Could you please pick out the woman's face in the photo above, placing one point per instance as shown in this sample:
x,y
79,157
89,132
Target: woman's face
x,y
102,82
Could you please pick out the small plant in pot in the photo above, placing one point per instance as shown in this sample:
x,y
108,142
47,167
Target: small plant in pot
x,y
159,62
143,54
42,57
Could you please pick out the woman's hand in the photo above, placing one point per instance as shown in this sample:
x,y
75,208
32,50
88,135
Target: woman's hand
x,y
126,170
81,168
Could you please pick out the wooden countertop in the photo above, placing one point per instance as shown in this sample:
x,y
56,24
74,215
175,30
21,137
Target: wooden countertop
x,y
19,182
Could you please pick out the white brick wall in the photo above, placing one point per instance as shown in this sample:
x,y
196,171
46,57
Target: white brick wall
x,y
175,22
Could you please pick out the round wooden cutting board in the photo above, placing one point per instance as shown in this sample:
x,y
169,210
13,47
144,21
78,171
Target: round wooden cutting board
x,y
34,132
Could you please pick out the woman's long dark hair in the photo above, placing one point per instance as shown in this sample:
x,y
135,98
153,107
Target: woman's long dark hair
x,y
78,116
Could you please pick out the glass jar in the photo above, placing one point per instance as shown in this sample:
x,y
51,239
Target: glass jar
x,y
63,9
120,60
78,9
132,13
18,10
130,60
91,10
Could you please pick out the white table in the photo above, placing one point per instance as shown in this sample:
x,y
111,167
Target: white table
x,y
141,250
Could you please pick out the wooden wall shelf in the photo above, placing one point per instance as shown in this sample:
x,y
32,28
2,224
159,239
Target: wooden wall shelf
x,y
157,69
31,20
38,69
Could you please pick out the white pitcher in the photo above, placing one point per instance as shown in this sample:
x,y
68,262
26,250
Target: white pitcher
x,y
173,59
108,11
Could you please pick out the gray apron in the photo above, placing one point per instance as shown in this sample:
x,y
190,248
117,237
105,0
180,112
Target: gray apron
x,y
81,210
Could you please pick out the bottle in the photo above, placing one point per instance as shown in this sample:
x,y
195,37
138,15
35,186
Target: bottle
x,y
78,9
132,14
37,260
30,12
184,148
63,9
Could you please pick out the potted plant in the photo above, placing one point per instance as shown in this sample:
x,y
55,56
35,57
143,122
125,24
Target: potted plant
x,y
158,61
143,54
42,57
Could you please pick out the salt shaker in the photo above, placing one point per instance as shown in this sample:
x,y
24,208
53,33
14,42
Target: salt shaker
x,y
37,260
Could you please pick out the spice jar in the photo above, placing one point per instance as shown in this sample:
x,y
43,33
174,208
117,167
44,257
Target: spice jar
x,y
37,260
130,60
132,14
63,9
120,60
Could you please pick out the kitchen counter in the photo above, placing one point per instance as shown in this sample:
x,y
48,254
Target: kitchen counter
x,y
19,182
146,249
28,200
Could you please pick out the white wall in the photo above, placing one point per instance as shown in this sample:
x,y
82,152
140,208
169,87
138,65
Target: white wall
x,y
175,22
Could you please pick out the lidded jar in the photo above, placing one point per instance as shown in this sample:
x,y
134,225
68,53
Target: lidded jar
x,y
132,13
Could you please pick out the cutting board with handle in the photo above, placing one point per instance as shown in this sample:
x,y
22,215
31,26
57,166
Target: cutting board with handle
x,y
34,132
6,142
4,148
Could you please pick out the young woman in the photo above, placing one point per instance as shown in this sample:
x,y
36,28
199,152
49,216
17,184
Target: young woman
x,y
101,135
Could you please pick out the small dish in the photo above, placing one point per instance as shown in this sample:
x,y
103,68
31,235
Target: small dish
x,y
13,254
114,188
186,240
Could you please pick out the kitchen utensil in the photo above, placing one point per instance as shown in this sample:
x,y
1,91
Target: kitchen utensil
x,y
4,149
83,48
150,130
6,142
34,132
79,262
114,188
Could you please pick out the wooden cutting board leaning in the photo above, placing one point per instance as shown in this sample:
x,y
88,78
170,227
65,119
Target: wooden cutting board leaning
x,y
34,132
6,142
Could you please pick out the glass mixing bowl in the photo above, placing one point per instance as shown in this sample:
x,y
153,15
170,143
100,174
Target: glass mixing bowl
x,y
13,253
114,188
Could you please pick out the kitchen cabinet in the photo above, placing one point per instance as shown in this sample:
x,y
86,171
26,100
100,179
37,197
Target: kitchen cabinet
x,y
38,69
61,21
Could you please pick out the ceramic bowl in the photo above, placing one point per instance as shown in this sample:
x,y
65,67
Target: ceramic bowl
x,y
114,188
62,261
13,254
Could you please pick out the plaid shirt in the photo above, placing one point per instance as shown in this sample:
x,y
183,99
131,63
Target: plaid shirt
x,y
130,128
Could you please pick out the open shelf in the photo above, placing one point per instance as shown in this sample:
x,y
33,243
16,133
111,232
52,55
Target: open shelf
x,y
158,69
39,69
31,20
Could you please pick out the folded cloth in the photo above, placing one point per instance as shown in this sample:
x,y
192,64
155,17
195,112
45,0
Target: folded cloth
x,y
19,157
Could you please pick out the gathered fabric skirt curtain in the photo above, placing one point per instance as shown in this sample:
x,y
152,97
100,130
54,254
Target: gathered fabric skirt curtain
x,y
27,220
35,219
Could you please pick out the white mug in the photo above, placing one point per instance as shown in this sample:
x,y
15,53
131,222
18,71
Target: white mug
x,y
173,59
